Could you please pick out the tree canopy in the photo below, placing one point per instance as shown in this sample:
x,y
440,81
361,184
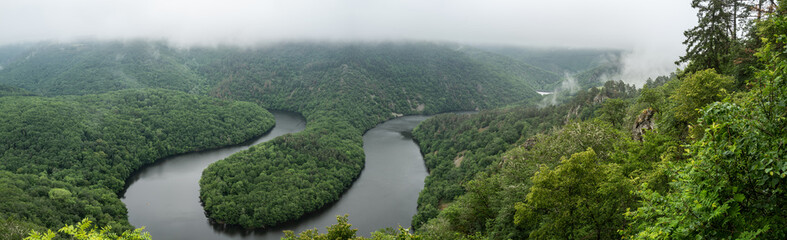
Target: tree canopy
x,y
66,158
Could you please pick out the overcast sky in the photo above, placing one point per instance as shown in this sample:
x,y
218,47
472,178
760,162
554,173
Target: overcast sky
x,y
651,29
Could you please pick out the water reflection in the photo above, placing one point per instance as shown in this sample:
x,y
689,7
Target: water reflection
x,y
165,196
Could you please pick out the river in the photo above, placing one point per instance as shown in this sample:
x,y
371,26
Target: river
x,y
164,197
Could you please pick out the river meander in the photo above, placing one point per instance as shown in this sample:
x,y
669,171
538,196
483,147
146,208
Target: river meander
x,y
164,197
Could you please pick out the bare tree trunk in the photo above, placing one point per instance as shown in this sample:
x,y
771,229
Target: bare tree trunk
x,y
734,20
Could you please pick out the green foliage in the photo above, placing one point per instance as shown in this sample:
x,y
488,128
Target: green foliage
x,y
457,147
709,42
725,181
399,234
697,90
59,194
6,90
65,158
733,184
13,229
469,213
536,77
599,74
342,90
645,161
723,38
365,82
26,202
580,198
559,60
732,187
98,67
487,207
340,230
101,139
343,231
83,231
283,178
613,111
651,98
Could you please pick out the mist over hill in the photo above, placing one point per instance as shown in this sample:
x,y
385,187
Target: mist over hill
x,y
51,68
342,89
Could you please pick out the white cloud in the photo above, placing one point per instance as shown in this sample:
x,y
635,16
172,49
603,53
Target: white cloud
x,y
652,27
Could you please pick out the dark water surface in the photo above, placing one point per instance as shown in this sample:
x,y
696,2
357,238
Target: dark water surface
x,y
164,196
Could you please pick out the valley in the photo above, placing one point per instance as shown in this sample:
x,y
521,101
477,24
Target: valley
x,y
368,140
390,79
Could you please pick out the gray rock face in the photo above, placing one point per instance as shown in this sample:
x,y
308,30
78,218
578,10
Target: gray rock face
x,y
645,122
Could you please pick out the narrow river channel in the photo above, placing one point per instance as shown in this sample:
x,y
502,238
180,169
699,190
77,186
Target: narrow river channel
x,y
164,197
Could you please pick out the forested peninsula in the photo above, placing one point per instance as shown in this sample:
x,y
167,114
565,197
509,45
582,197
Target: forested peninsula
x,y
341,89
696,154
66,158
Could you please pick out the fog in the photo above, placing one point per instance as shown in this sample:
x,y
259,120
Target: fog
x,y
650,31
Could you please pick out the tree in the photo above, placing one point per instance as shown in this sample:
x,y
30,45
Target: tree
x,y
339,231
707,44
613,111
697,90
469,213
581,198
83,231
733,186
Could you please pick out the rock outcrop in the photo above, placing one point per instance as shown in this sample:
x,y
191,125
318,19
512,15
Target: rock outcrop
x,y
645,122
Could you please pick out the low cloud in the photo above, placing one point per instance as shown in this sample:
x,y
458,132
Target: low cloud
x,y
642,63
568,86
650,30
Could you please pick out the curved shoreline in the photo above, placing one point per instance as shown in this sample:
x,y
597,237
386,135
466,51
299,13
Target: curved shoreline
x,y
384,154
248,142
155,199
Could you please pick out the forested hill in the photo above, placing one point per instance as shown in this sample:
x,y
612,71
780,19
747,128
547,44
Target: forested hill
x,y
92,67
6,90
396,78
96,67
65,158
556,59
457,147
696,155
389,78
589,67
342,89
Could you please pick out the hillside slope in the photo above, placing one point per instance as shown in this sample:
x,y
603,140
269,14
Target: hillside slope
x,y
341,89
97,67
65,158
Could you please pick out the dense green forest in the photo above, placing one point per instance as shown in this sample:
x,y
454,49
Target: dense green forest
x,y
589,64
698,154
341,89
367,84
558,60
457,147
66,158
96,67
6,90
